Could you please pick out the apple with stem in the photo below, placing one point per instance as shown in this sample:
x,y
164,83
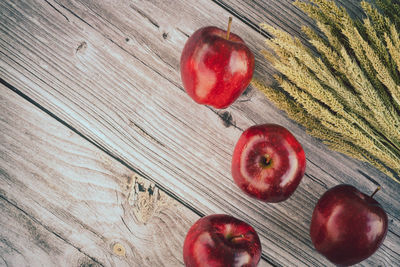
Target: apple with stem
x,y
216,66
221,240
268,162
347,226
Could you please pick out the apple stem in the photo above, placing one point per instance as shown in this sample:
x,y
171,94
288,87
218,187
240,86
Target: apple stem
x,y
376,190
236,236
229,28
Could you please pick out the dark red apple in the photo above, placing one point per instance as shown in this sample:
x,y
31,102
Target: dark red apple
x,y
268,162
347,226
223,241
216,67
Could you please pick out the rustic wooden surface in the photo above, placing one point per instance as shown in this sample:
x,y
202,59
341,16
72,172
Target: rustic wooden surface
x,y
64,202
50,176
109,70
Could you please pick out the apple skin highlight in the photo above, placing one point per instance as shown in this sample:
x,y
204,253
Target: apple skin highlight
x,y
214,70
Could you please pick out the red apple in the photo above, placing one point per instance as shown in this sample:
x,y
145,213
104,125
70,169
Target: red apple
x,y
216,67
347,226
268,162
223,241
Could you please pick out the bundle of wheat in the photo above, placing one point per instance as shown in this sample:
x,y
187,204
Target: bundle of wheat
x,y
347,93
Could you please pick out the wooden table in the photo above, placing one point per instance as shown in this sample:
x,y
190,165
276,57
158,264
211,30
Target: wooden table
x,y
106,161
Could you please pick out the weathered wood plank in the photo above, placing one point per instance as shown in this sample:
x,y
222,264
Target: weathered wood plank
x,y
281,14
63,202
111,71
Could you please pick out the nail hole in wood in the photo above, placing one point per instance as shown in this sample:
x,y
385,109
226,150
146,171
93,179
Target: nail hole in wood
x,y
82,47
226,118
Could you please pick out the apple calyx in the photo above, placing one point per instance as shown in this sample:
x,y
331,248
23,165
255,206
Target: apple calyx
x,y
266,161
376,190
228,31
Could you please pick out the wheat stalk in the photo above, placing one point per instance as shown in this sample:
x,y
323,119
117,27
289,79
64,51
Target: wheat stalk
x,y
349,94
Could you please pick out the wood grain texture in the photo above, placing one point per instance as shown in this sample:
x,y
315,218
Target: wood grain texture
x,y
281,14
63,202
112,72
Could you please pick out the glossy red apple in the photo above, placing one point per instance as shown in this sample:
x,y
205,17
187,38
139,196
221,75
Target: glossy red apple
x,y
268,162
216,67
223,241
347,226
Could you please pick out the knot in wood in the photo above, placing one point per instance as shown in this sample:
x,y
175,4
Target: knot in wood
x,y
119,249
